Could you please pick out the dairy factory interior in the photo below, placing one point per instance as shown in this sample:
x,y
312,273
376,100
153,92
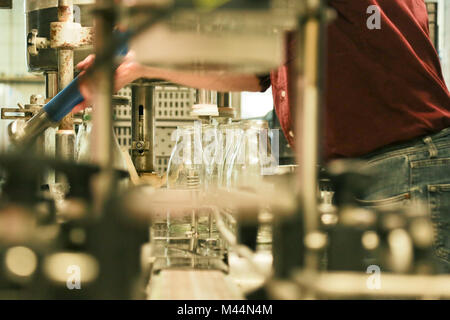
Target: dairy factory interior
x,y
126,172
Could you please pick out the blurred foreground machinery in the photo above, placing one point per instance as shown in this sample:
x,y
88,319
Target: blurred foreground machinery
x,y
52,243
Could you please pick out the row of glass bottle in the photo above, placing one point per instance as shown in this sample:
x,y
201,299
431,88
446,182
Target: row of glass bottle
x,y
207,157
211,156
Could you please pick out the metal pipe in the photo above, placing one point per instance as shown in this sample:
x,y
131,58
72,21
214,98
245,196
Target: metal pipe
x,y
224,100
51,84
205,105
308,120
142,128
65,59
51,90
102,131
206,97
65,136
65,139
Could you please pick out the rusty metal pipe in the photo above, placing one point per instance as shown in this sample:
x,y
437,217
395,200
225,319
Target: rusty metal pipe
x,y
65,59
65,136
65,76
65,10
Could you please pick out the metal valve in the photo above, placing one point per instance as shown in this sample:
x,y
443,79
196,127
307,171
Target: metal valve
x,y
34,43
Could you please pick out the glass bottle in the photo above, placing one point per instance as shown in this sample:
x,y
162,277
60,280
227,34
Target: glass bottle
x,y
231,137
83,145
211,148
252,157
185,168
185,171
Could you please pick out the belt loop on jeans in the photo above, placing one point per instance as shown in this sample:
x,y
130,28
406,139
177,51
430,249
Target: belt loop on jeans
x,y
431,147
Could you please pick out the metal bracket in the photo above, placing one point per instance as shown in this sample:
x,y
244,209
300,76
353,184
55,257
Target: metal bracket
x,y
18,114
140,146
34,43
70,35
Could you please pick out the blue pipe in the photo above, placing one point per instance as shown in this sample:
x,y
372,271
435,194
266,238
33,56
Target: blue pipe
x,y
61,104
68,98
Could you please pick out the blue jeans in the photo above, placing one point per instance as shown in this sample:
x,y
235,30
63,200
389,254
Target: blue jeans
x,y
417,170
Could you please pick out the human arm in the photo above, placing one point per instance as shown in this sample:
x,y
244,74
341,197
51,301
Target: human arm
x,y
130,70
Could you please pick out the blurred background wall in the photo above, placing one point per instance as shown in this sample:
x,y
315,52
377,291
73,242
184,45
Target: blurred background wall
x,y
16,84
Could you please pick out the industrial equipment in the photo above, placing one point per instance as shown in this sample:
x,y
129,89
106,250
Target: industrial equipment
x,y
225,217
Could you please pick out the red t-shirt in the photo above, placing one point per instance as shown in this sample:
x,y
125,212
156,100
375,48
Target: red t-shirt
x,y
383,86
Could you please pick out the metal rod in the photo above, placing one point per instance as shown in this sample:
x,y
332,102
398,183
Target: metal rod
x,y
65,142
65,59
102,132
65,76
65,136
224,99
206,97
51,90
308,121
51,84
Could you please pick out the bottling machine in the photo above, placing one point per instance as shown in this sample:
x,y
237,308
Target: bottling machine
x,y
224,225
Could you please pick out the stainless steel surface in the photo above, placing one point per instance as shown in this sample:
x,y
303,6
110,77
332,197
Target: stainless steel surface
x,y
22,135
143,128
206,97
227,105
32,135
51,84
224,99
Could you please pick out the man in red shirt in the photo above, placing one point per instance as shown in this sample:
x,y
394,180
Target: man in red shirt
x,y
386,103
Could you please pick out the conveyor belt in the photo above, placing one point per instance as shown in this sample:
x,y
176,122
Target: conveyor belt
x,y
192,285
